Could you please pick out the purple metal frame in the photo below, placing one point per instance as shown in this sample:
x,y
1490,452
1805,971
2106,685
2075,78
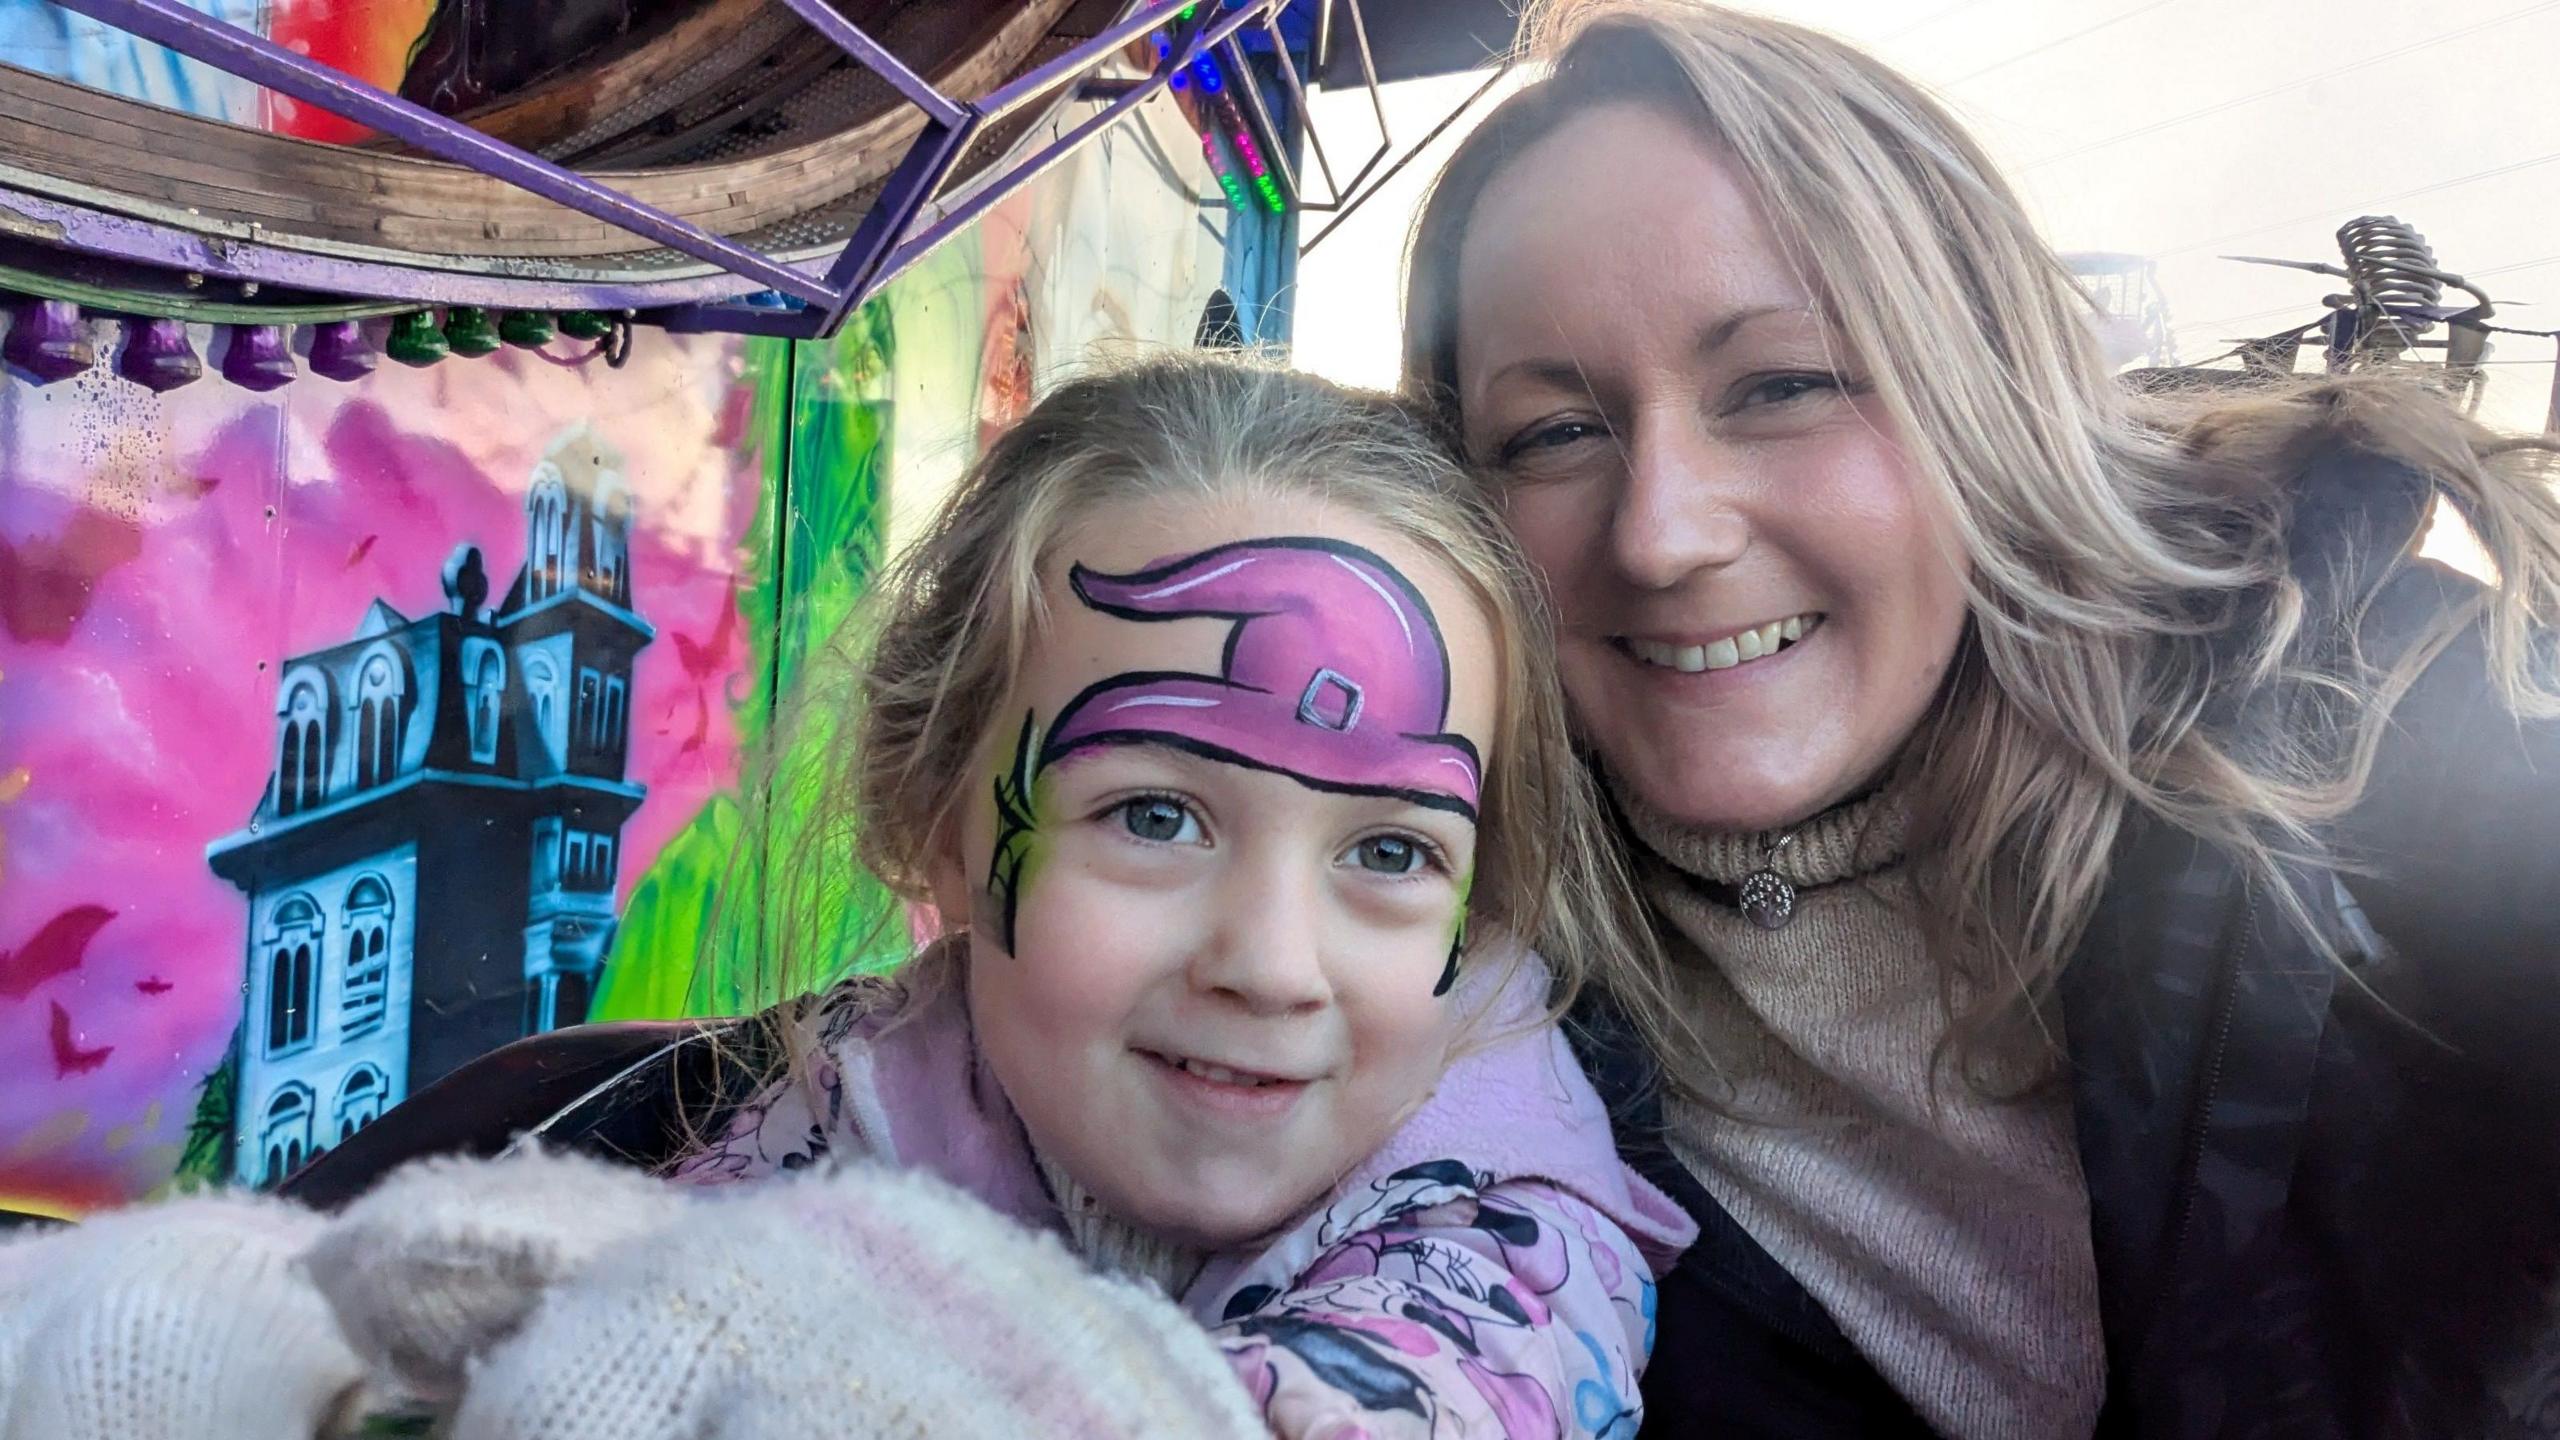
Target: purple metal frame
x,y
879,247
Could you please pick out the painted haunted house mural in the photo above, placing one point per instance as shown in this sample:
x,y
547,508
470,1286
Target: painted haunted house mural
x,y
431,872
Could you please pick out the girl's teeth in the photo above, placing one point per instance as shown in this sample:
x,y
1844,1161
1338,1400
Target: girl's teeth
x,y
1219,1074
1724,654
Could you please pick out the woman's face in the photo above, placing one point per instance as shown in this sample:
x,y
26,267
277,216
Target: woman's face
x,y
1757,602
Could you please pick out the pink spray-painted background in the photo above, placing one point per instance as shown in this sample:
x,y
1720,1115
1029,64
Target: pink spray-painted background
x,y
160,555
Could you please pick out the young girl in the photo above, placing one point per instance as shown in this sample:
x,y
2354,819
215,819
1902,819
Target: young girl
x,y
1212,721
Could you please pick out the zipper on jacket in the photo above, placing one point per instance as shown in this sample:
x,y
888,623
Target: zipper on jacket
x,y
2226,1007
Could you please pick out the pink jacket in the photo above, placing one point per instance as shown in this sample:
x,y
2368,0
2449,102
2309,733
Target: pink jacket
x,y
1488,1273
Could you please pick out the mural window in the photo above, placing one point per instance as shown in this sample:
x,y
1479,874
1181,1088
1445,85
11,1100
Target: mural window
x,y
285,1139
542,689
488,685
293,945
300,750
378,722
586,860
590,700
368,973
360,1099
615,546
617,707
548,545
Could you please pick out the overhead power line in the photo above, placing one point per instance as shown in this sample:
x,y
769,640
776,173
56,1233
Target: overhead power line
x,y
2254,96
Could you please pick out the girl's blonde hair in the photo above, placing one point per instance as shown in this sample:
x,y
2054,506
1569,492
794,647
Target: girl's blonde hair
x,y
2113,553
959,612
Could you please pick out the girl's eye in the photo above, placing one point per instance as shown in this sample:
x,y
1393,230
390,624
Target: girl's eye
x,y
1390,854
1554,436
1163,821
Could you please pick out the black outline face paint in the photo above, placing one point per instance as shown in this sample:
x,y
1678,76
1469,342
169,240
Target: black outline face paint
x,y
1017,828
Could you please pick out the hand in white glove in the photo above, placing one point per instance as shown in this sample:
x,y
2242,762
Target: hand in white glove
x,y
444,1259
864,1302
184,1319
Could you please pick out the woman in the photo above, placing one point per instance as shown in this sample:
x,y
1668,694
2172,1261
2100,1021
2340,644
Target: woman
x,y
2106,874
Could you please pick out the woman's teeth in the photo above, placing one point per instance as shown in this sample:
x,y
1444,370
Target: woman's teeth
x,y
1728,652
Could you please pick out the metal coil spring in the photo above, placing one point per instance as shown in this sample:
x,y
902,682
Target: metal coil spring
x,y
2391,265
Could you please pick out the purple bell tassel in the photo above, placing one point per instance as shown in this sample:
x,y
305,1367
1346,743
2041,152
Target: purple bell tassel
x,y
258,357
157,356
48,340
339,351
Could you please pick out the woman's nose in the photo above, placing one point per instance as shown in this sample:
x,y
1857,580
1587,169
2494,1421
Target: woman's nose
x,y
1675,514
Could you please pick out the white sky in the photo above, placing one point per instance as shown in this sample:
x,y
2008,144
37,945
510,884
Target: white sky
x,y
2176,129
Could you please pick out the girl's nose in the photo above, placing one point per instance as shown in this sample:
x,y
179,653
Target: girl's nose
x,y
1266,952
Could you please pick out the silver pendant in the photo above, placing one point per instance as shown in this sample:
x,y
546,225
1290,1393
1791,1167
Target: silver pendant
x,y
1768,899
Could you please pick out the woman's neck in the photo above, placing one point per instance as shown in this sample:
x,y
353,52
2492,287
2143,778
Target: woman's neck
x,y
1857,837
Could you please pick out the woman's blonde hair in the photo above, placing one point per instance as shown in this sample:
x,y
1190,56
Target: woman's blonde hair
x,y
2114,551
958,612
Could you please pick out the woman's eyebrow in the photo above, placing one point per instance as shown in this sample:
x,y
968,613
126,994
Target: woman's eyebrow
x,y
1716,335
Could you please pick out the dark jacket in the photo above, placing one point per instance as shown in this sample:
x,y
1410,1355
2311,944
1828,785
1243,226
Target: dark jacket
x,y
2325,1198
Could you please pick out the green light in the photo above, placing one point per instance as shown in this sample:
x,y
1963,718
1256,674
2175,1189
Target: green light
x,y
1235,192
1270,189
1186,12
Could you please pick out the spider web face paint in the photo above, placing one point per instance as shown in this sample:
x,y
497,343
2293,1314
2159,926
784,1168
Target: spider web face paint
x,y
1334,674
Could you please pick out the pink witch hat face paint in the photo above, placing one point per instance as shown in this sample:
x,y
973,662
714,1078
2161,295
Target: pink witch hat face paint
x,y
1335,675
1234,824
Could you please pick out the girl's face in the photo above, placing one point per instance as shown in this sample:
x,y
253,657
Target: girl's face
x,y
1218,856
1757,604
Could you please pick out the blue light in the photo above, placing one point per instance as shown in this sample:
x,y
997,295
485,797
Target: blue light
x,y
1211,82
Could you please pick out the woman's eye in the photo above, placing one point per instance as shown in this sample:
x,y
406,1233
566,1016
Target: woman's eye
x,y
1555,436
1390,855
1163,821
1779,389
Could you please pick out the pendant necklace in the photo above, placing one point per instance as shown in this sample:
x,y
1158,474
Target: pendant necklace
x,y
1766,896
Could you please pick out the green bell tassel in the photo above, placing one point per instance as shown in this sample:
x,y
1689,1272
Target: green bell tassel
x,y
467,329
529,329
415,340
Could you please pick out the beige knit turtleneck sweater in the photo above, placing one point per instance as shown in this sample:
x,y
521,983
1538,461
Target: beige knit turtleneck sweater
x,y
1947,1234
1113,1245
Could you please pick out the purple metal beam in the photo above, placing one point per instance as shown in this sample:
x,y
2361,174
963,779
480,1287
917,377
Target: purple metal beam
x,y
848,37
901,250
880,247
1012,96
911,187
253,57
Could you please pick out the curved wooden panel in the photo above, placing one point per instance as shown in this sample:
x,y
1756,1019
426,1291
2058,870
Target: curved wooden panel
x,y
378,198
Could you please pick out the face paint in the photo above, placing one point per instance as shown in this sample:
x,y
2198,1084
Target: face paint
x,y
1334,674
1017,829
1457,937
